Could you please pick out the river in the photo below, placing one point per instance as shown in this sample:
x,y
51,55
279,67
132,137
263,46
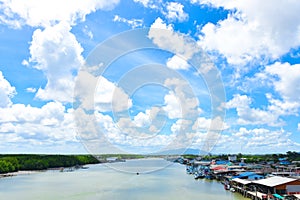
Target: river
x,y
156,179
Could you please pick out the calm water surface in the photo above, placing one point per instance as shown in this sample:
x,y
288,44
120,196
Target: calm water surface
x,y
157,179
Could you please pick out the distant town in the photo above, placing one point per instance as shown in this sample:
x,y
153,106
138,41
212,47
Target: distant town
x,y
259,177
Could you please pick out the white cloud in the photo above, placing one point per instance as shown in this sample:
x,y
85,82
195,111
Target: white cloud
x,y
181,125
48,13
6,92
261,29
248,141
25,63
20,113
254,139
177,63
181,100
165,37
154,4
31,90
98,93
160,24
173,106
87,32
283,81
133,23
143,119
110,97
248,115
56,52
43,127
298,128
281,107
175,12
205,124
286,80
126,136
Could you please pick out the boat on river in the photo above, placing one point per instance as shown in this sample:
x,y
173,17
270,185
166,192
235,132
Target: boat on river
x,y
198,175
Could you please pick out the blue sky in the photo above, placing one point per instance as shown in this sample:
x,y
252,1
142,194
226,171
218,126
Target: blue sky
x,y
243,98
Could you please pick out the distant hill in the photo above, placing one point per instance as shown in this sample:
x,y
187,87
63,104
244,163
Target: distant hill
x,y
181,151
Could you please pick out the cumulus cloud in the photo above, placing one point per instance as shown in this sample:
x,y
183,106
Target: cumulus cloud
x,y
248,140
25,126
47,13
143,119
261,137
175,12
205,124
21,113
105,135
173,106
177,63
171,40
267,29
109,96
248,115
54,49
6,92
98,93
181,125
181,100
283,81
286,80
50,125
56,52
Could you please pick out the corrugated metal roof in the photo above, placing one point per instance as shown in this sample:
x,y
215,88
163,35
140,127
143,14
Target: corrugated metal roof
x,y
274,181
242,181
246,174
297,196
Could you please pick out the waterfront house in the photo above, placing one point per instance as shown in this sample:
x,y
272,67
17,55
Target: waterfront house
x,y
275,186
232,158
278,185
296,196
284,161
241,185
249,176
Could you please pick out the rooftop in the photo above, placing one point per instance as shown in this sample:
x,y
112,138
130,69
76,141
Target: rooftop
x,y
242,181
274,181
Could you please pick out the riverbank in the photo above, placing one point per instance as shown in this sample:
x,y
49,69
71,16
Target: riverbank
x,y
10,174
27,162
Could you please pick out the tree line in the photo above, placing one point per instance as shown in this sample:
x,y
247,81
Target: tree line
x,y
13,163
253,158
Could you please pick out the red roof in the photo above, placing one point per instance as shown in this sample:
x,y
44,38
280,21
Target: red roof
x,y
218,168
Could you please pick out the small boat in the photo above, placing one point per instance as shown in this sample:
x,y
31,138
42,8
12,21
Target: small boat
x,y
198,175
209,176
227,187
84,167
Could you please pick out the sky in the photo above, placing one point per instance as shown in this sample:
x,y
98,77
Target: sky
x,y
148,76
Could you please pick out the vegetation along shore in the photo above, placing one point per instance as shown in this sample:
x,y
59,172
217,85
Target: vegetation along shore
x,y
28,162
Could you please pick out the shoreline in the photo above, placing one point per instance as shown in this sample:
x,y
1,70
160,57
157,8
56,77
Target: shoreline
x,y
27,172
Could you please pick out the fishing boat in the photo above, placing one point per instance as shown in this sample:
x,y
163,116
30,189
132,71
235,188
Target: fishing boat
x,y
199,175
